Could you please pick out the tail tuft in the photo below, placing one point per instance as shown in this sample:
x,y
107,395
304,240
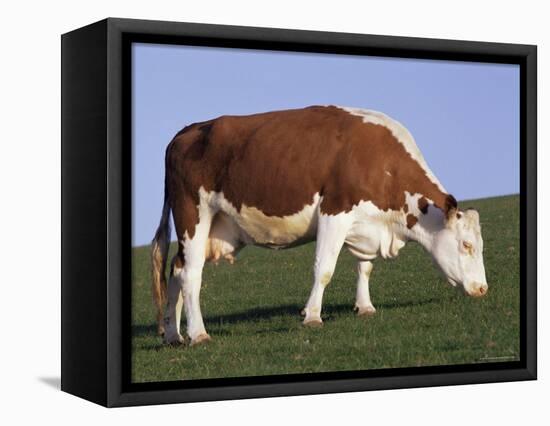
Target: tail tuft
x,y
159,253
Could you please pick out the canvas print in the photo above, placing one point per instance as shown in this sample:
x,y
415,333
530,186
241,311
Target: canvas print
x,y
298,213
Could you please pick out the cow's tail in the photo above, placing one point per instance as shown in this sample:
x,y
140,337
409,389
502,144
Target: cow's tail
x,y
159,253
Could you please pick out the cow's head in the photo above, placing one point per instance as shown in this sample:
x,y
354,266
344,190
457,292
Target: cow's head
x,y
458,250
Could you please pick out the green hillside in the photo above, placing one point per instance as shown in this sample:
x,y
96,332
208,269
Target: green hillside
x,y
252,311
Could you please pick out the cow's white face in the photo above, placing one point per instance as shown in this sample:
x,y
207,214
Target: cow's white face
x,y
458,250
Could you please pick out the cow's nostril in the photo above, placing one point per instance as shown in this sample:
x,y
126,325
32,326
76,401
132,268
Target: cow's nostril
x,y
483,290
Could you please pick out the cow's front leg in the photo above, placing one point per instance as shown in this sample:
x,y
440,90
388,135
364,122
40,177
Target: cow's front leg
x,y
331,233
363,304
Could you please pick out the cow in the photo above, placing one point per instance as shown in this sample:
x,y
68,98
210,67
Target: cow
x,y
341,176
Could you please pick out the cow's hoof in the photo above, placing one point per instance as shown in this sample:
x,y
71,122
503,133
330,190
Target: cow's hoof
x,y
313,323
202,338
366,311
175,341
160,330
303,312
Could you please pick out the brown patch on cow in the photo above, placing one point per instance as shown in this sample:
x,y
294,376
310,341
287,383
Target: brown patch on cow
x,y
178,262
451,206
411,220
423,205
277,161
406,208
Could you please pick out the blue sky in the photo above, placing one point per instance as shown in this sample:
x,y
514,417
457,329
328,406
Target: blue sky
x,y
463,116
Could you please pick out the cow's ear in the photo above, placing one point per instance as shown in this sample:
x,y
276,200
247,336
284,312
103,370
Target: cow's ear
x,y
451,210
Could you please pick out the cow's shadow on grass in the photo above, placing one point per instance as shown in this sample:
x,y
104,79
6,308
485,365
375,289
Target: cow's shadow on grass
x,y
330,311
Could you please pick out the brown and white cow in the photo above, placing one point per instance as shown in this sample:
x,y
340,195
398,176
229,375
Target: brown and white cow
x,y
340,176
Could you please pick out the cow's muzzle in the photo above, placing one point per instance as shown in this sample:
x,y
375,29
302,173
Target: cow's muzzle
x,y
477,289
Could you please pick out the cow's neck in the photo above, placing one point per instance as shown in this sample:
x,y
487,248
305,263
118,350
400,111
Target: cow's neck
x,y
426,228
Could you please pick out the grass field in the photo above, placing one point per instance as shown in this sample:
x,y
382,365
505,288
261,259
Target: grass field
x,y
252,311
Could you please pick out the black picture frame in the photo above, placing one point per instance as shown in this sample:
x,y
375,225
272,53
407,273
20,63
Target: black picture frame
x,y
96,225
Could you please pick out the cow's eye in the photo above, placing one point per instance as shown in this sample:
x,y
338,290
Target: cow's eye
x,y
468,247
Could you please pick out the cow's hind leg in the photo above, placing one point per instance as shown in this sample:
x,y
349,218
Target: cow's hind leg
x,y
331,234
195,254
172,319
363,304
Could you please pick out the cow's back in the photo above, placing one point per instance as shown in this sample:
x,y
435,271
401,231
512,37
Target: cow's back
x,y
279,163
274,161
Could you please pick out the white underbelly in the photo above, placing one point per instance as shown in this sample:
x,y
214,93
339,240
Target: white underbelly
x,y
276,231
272,231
